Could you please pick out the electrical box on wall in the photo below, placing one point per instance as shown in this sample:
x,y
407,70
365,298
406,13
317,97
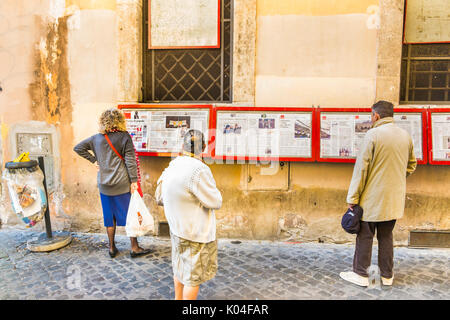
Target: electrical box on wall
x,y
272,176
39,144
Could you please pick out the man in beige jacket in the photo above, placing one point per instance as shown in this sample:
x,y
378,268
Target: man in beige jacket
x,y
378,185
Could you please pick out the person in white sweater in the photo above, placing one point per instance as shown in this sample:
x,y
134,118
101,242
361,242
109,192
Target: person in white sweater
x,y
188,192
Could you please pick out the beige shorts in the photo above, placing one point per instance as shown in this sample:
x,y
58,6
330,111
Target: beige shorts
x,y
193,262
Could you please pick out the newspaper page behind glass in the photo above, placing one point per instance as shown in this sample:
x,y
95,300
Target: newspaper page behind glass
x,y
341,135
413,124
440,124
263,135
163,131
137,127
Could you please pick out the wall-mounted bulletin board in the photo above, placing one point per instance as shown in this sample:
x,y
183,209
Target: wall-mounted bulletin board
x,y
439,136
426,21
248,133
183,24
414,120
342,130
159,130
281,133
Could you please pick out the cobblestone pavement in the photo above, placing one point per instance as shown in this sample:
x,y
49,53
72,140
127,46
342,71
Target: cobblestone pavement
x,y
247,271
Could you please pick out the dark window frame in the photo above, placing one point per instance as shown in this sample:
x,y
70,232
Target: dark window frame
x,y
189,75
424,78
423,72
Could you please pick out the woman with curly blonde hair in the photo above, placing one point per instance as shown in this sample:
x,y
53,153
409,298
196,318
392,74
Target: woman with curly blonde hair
x,y
114,155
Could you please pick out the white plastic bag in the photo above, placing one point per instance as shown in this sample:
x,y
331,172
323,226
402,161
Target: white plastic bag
x,y
139,219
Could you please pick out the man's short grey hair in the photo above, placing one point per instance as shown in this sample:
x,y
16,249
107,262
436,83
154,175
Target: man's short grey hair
x,y
384,109
193,142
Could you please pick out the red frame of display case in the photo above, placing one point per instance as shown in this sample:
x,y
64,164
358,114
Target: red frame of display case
x,y
266,109
315,130
211,120
369,110
430,136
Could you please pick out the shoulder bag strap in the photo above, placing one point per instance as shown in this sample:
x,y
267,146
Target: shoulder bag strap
x,y
137,164
112,147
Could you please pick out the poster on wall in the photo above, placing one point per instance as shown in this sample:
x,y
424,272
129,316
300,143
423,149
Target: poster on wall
x,y
341,134
175,24
440,123
427,21
264,134
163,130
413,124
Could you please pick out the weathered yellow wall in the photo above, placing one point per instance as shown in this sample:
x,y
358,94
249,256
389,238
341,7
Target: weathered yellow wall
x,y
244,50
313,7
92,4
286,53
315,53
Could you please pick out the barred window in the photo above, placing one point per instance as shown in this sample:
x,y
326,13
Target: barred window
x,y
426,52
425,73
189,75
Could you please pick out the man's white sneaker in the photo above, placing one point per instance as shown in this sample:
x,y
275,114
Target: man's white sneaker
x,y
355,278
387,281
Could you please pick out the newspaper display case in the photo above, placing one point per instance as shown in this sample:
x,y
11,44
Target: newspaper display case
x,y
158,130
265,134
439,136
340,132
280,133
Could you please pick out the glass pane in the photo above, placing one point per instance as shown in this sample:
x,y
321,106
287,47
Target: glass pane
x,y
420,50
440,50
421,65
418,95
422,80
405,51
403,82
226,9
439,80
430,50
438,95
440,65
426,74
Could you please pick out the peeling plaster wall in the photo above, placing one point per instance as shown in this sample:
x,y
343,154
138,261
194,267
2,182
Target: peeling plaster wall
x,y
312,207
60,68
34,78
79,57
93,60
18,33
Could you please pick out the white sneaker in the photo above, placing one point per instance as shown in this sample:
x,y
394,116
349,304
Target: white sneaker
x,y
355,278
387,281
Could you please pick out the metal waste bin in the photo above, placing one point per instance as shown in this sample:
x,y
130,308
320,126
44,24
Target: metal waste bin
x,y
25,182
28,192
